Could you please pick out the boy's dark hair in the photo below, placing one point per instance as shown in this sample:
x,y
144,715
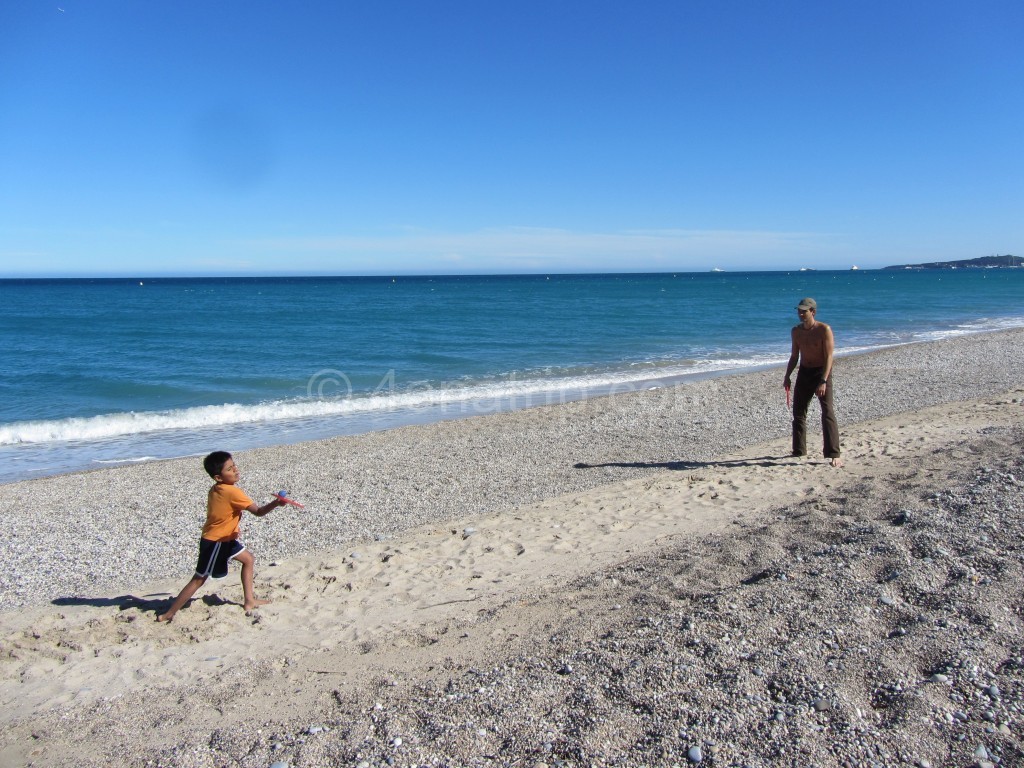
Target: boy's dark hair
x,y
214,463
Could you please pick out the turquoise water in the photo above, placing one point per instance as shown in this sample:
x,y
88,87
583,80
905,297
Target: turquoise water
x,y
114,370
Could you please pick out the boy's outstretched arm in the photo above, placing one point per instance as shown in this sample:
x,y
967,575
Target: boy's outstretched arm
x,y
259,511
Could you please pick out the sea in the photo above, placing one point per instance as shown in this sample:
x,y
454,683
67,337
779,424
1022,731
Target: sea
x,y
108,371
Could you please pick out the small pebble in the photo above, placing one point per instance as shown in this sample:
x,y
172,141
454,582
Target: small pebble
x,y
694,755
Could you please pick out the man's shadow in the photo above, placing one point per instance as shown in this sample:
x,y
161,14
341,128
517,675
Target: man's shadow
x,y
683,466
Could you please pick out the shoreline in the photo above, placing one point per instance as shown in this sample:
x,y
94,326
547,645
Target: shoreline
x,y
623,581
510,394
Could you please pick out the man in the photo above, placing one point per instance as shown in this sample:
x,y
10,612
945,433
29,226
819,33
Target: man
x,y
813,346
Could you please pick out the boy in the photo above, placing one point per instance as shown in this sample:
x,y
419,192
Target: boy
x,y
219,543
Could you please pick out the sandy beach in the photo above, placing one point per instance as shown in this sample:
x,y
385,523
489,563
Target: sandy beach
x,y
635,580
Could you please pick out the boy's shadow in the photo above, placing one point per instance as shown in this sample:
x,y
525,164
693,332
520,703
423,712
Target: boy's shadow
x,y
121,602
681,466
154,603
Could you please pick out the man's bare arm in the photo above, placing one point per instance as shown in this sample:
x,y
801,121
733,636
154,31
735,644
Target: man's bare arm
x,y
829,344
794,356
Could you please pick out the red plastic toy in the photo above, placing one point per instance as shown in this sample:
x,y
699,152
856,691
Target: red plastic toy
x,y
283,496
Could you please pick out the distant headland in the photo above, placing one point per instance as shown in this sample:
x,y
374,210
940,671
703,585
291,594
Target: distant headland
x,y
982,262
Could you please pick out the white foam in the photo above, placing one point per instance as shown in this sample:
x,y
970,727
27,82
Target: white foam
x,y
115,425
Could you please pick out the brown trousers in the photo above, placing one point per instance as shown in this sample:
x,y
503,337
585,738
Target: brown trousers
x,y
807,381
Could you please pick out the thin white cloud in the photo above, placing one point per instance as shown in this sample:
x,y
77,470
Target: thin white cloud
x,y
538,248
496,250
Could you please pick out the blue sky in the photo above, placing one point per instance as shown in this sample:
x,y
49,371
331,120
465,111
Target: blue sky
x,y
257,137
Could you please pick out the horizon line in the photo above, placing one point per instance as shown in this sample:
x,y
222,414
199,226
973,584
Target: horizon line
x,y
482,273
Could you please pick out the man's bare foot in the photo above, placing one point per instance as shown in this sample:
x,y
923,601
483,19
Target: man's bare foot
x,y
255,604
836,462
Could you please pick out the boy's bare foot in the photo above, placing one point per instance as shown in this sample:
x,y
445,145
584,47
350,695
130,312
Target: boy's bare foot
x,y
837,462
255,604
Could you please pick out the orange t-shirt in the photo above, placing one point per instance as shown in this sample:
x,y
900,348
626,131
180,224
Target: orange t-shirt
x,y
224,507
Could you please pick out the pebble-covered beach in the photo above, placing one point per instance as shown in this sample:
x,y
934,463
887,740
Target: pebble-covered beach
x,y
887,634
873,617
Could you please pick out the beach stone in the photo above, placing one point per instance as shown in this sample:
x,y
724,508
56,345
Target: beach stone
x,y
694,755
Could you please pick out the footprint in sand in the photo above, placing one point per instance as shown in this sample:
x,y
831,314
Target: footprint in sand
x,y
617,526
